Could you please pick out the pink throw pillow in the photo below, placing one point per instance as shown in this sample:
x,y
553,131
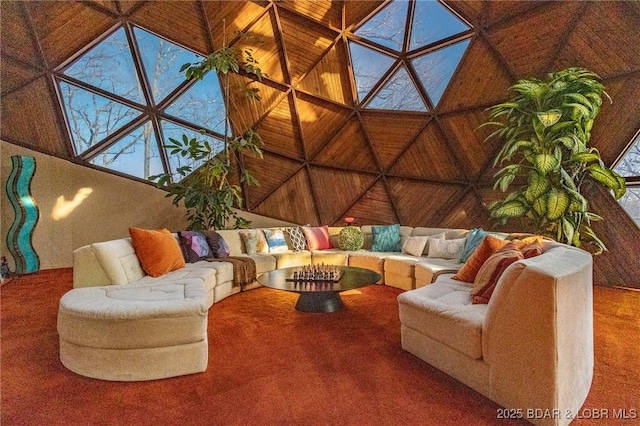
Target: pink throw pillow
x,y
317,237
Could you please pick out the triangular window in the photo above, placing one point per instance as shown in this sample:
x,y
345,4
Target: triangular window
x,y
629,167
387,27
436,69
109,66
202,104
162,61
399,93
433,22
135,154
92,117
368,67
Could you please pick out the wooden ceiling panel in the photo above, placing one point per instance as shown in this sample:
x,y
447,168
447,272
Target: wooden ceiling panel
x,y
246,112
330,78
467,213
305,41
357,10
501,10
179,21
17,40
279,131
390,134
292,201
468,141
374,207
29,117
618,121
418,203
261,39
233,16
429,157
319,121
327,12
480,79
529,42
14,75
337,190
603,41
65,28
127,5
271,171
471,10
348,149
110,5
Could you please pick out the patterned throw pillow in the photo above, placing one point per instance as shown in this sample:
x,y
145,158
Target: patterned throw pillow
x,y
414,245
218,245
386,238
261,245
317,237
475,237
446,249
298,240
194,246
491,271
276,241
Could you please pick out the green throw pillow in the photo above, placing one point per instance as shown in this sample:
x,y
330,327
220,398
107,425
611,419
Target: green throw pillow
x,y
386,238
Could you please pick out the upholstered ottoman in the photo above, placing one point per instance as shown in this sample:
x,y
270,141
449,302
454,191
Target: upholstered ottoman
x,y
134,332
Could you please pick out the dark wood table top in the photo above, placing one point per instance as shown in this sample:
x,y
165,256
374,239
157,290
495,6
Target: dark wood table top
x,y
352,277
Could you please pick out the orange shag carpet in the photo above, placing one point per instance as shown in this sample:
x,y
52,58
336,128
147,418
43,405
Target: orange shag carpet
x,y
272,365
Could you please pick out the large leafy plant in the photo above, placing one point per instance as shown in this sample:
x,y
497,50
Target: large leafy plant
x,y
546,159
207,192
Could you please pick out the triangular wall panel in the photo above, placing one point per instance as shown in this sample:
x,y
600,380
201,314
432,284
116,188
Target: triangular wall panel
x,y
524,58
280,131
292,201
374,207
246,112
389,135
429,157
17,40
306,42
232,16
319,121
14,75
330,78
337,190
468,210
271,172
327,12
348,149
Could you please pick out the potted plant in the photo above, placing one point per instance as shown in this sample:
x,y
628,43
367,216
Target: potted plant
x,y
208,194
546,158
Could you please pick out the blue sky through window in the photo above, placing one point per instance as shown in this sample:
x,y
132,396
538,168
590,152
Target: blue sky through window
x,y
135,154
436,69
399,93
202,104
92,117
109,66
432,22
387,26
162,61
368,67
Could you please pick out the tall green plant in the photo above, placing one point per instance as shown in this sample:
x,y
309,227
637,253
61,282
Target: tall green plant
x,y
545,157
207,192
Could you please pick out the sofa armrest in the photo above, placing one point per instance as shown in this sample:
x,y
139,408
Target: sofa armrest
x,y
87,271
538,333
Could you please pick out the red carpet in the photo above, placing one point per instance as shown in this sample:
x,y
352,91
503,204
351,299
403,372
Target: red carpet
x,y
268,364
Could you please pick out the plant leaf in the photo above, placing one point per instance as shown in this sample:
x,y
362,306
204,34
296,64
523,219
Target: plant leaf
x,y
512,208
544,163
557,203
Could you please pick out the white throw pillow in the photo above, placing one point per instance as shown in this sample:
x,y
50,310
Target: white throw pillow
x,y
440,236
446,249
414,245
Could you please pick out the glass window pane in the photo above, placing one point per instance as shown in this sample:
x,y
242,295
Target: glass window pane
x,y
630,163
162,61
92,117
399,93
109,66
202,104
631,203
175,131
368,67
136,154
387,26
436,69
432,22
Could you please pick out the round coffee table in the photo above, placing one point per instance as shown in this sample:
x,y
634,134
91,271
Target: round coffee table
x,y
319,296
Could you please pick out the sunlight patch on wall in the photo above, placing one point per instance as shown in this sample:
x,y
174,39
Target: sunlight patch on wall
x,y
63,207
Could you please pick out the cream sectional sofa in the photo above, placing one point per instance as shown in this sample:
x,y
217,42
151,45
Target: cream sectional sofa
x,y
530,349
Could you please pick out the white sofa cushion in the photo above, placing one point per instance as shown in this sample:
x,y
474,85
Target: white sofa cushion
x,y
427,269
119,261
443,311
206,275
330,257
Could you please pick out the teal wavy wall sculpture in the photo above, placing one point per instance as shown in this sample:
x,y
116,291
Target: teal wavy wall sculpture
x,y
26,214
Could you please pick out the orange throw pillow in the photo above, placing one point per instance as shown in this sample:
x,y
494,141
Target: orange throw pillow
x,y
487,247
491,271
158,251
523,242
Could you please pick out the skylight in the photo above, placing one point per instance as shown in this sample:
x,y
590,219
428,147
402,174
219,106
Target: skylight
x,y
430,53
120,118
629,167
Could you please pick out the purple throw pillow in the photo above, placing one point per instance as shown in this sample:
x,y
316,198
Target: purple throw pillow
x,y
218,245
194,246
